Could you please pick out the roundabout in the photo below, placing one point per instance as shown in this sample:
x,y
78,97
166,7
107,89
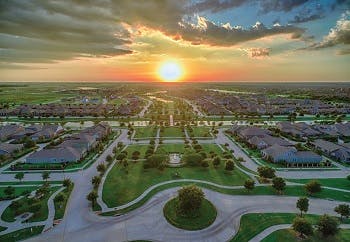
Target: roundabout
x,y
202,219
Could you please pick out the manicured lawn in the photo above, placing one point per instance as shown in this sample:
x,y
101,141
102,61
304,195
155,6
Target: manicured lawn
x,y
172,148
141,148
253,223
60,207
18,190
120,187
206,216
202,132
172,132
342,183
290,236
40,215
212,148
145,132
21,234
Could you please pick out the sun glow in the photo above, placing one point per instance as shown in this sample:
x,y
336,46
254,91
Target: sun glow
x,y
170,71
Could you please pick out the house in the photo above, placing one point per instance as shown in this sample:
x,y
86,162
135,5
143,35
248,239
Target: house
x,y
9,149
266,141
343,129
339,152
297,129
290,155
9,130
60,155
249,132
47,132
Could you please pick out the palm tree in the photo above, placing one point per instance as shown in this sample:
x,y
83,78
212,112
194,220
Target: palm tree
x,y
92,197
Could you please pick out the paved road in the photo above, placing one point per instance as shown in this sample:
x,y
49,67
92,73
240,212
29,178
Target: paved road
x,y
148,223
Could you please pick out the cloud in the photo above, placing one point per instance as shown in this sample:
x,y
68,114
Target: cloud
x,y
209,33
280,6
340,34
215,6
257,53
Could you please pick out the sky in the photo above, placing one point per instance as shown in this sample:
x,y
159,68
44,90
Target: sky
x,y
209,40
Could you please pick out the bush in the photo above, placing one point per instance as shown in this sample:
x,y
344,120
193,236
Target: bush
x,y
327,225
193,159
313,187
189,200
155,161
230,165
266,172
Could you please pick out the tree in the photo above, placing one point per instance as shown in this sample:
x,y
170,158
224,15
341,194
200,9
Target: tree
x,y
29,143
96,180
216,161
45,175
249,184
279,184
327,225
101,168
109,158
266,172
230,165
343,210
205,164
193,159
313,187
92,197
189,199
302,226
15,205
19,176
303,205
59,198
9,191
67,182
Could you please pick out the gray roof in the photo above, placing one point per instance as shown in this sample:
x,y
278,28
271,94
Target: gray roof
x,y
326,145
276,150
10,148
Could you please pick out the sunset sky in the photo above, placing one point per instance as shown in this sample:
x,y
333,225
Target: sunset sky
x,y
129,40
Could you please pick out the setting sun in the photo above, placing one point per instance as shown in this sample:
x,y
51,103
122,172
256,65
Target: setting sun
x,y
170,71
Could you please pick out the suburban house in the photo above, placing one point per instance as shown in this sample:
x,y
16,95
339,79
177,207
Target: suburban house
x,y
297,129
9,130
290,155
9,149
73,148
47,132
340,152
266,141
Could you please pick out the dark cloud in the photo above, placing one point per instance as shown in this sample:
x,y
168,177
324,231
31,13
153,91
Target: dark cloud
x,y
216,5
280,6
303,19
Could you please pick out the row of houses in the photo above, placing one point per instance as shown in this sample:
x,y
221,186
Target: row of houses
x,y
73,148
36,132
8,150
304,130
272,148
340,152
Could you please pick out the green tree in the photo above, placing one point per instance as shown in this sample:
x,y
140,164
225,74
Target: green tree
x,y
230,165
9,191
266,172
101,168
327,225
189,200
19,176
92,197
109,158
59,198
343,210
313,187
216,161
303,205
249,184
67,182
279,184
45,175
96,180
205,164
302,226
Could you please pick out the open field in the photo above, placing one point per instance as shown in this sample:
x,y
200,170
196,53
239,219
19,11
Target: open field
x,y
173,132
145,132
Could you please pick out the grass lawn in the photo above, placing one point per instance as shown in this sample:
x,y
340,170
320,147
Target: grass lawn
x,y
9,216
145,132
212,148
206,216
120,188
202,132
172,148
60,207
290,236
18,190
22,234
253,223
342,183
172,132
141,148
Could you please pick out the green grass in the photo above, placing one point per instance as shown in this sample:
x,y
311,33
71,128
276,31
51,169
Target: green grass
x,y
172,132
60,207
141,148
253,223
21,234
290,236
342,183
202,132
9,215
172,148
145,132
206,216
212,148
120,188
18,190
